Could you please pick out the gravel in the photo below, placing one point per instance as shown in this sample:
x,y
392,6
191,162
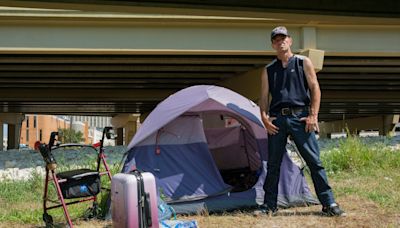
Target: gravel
x,y
21,164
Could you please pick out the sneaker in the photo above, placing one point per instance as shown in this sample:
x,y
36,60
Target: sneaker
x,y
265,210
333,210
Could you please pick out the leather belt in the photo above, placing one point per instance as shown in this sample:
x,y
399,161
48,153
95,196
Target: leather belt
x,y
292,110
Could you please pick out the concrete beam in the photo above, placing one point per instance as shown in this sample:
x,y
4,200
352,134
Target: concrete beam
x,y
314,9
383,123
133,34
76,94
12,118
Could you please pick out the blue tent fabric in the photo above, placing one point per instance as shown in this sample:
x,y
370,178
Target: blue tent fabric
x,y
183,172
249,199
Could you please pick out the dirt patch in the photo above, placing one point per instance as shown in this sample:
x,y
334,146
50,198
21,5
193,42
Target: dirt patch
x,y
360,213
12,224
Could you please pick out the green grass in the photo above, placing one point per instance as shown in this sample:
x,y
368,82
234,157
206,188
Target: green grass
x,y
368,170
380,186
354,155
20,201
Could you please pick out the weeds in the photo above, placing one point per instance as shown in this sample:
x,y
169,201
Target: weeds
x,y
353,155
369,170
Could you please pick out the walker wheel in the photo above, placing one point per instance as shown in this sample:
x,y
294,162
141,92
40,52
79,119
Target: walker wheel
x,y
92,212
48,220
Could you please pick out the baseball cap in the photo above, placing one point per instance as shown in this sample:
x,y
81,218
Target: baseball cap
x,y
280,30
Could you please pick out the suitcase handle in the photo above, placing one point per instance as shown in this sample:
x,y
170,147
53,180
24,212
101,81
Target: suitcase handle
x,y
144,202
147,209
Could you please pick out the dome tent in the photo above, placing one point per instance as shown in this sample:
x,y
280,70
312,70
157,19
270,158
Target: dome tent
x,y
188,145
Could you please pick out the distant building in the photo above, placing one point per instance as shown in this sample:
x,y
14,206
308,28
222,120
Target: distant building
x,y
95,126
38,128
93,121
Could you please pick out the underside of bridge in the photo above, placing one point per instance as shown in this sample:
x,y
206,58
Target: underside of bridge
x,y
383,8
94,57
109,84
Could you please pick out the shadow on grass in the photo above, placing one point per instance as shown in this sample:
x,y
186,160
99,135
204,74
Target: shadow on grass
x,y
300,213
281,212
90,223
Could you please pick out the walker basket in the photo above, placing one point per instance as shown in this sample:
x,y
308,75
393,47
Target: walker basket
x,y
79,183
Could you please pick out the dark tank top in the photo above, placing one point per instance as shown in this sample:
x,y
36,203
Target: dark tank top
x,y
288,86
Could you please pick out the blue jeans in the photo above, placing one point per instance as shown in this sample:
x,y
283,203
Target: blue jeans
x,y
307,145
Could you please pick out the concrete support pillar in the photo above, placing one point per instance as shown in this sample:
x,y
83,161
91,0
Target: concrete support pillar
x,y
143,116
247,84
383,123
14,121
388,122
309,46
1,136
309,38
120,136
129,122
13,141
130,130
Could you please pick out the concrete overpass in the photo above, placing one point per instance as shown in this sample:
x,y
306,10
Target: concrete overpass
x,y
77,57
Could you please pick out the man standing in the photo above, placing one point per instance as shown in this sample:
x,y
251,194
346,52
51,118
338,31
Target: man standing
x,y
292,83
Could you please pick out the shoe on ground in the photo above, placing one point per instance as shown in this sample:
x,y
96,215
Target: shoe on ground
x,y
333,210
265,210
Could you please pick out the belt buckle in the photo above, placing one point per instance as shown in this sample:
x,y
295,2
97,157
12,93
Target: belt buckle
x,y
298,110
285,111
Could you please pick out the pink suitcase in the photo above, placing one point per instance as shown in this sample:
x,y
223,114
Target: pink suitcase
x,y
134,200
